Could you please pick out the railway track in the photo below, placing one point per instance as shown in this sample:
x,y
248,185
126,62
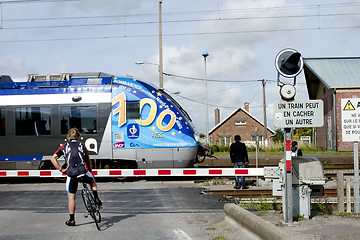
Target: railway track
x,y
261,193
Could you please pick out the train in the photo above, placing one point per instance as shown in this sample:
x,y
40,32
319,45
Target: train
x,y
124,122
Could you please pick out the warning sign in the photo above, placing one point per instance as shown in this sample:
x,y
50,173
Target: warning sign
x,y
297,114
348,106
350,119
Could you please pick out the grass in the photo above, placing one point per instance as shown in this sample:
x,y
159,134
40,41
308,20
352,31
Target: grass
x,y
260,204
263,204
274,149
219,237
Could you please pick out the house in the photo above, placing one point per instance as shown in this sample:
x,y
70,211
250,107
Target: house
x,y
242,123
332,79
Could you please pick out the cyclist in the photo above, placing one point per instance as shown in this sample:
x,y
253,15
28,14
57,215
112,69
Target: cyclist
x,y
77,162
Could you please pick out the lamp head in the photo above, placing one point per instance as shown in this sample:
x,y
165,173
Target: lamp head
x,y
205,54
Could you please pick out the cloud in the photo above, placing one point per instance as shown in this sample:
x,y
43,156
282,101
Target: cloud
x,y
114,6
17,68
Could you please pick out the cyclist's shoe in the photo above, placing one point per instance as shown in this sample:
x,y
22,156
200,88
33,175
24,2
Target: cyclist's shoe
x,y
98,203
70,223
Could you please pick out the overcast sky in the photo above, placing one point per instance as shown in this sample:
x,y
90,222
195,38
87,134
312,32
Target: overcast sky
x,y
241,37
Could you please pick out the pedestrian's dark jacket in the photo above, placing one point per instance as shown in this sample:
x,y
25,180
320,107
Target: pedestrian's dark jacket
x,y
296,151
238,152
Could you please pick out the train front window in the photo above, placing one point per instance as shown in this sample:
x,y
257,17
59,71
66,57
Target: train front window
x,y
2,121
32,121
132,110
81,117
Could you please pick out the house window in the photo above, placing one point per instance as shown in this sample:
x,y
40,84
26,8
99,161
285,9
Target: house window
x,y
227,140
32,121
240,123
253,138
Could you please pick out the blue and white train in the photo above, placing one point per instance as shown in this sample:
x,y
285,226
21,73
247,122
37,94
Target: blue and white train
x,y
125,123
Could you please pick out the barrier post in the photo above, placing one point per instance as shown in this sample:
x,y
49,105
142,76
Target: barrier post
x,y
288,190
356,177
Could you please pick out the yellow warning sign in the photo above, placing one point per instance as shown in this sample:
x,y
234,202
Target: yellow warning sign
x,y
349,106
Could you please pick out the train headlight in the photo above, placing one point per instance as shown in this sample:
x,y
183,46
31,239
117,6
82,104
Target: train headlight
x,y
197,137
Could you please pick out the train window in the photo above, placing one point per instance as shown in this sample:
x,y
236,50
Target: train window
x,y
2,121
81,117
132,110
32,121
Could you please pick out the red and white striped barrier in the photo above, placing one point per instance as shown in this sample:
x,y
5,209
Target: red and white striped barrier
x,y
173,172
288,155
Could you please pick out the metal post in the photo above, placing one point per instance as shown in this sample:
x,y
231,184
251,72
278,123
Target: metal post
x,y
256,154
160,49
265,140
205,54
356,177
288,191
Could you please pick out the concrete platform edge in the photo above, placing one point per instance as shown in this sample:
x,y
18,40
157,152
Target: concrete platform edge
x,y
253,223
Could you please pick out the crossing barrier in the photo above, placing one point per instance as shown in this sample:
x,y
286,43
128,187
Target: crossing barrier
x,y
171,172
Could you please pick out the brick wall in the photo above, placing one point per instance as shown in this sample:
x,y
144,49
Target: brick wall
x,y
326,95
228,128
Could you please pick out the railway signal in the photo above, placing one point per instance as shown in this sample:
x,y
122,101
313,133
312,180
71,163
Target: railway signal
x,y
289,64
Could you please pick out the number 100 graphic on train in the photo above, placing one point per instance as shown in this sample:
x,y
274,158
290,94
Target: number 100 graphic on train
x,y
125,123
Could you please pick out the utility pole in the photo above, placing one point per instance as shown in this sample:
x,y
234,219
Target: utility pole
x,y
160,49
264,105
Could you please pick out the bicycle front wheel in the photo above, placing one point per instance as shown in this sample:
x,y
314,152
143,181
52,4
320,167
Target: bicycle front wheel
x,y
84,194
94,213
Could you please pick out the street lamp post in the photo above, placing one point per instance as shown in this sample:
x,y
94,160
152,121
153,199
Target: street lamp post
x,y
161,80
159,70
205,54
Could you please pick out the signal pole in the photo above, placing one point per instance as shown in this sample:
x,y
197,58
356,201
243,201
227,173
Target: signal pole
x,y
289,64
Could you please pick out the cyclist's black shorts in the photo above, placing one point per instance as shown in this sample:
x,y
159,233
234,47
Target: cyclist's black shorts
x,y
72,182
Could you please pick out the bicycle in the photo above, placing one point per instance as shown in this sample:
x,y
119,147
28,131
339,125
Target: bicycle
x,y
91,207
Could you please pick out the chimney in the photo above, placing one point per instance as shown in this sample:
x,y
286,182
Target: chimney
x,y
246,106
217,116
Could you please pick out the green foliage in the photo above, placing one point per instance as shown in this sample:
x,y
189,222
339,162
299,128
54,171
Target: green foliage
x,y
323,208
306,131
219,237
260,204
220,148
279,136
201,135
218,181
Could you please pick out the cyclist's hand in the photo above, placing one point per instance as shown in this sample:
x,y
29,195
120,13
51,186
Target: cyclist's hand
x,y
64,168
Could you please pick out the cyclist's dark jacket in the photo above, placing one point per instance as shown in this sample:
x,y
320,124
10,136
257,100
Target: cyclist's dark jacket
x,y
76,157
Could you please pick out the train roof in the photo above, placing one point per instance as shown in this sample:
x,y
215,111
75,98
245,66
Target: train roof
x,y
58,80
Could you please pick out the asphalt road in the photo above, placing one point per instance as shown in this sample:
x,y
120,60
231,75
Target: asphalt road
x,y
131,210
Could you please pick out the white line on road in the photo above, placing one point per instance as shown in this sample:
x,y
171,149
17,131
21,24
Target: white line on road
x,y
182,235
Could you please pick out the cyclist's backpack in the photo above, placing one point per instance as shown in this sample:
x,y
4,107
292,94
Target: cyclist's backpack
x,y
75,155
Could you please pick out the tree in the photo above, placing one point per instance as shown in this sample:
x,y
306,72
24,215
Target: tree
x,y
306,131
279,136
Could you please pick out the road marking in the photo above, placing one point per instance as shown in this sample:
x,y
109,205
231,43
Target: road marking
x,y
182,235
